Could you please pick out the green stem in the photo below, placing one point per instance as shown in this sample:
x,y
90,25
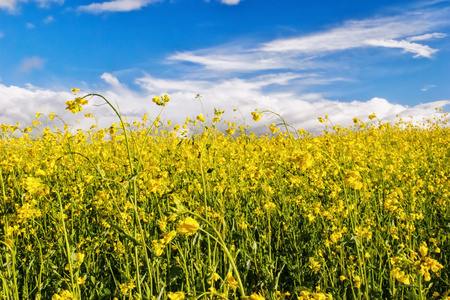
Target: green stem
x,y
225,249
66,239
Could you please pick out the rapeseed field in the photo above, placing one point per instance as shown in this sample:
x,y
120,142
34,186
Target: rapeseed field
x,y
154,210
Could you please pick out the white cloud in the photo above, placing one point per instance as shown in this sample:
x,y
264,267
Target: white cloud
x,y
19,104
427,36
306,52
426,88
230,2
47,3
48,20
418,49
109,78
116,6
9,5
30,25
31,63
12,5
237,62
357,34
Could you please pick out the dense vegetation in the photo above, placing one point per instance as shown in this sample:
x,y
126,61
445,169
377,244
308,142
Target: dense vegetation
x,y
148,211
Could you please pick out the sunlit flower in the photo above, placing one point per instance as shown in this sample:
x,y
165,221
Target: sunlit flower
x,y
176,296
257,116
232,283
256,296
188,227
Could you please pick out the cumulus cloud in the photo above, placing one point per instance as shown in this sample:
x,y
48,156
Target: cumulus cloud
x,y
9,5
19,104
109,78
116,6
31,63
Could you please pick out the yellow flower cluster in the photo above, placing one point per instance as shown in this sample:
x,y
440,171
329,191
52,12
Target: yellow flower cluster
x,y
161,101
76,105
188,227
173,211
159,245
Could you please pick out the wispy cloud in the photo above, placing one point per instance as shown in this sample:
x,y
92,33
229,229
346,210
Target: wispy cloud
x,y
244,61
116,6
47,3
31,63
48,20
128,5
426,88
418,49
427,36
230,2
303,52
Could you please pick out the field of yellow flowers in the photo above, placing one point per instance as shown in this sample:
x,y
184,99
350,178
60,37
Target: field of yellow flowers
x,y
149,211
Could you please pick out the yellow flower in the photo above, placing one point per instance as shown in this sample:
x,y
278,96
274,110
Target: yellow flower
x,y
73,107
257,116
314,265
273,128
256,296
80,257
40,172
232,283
161,101
168,237
353,179
270,206
81,280
188,227
357,281
423,249
75,91
201,118
215,276
124,287
63,295
230,131
303,160
158,247
176,296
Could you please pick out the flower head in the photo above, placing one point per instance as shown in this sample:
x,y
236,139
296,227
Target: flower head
x,y
176,296
188,227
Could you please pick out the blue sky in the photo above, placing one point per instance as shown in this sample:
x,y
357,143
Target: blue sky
x,y
303,59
